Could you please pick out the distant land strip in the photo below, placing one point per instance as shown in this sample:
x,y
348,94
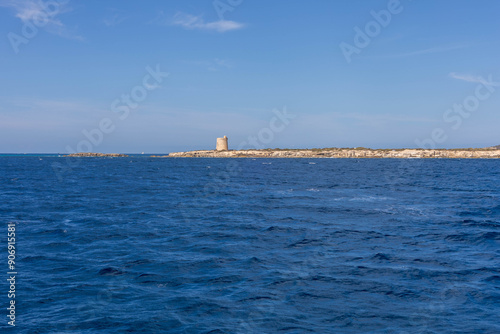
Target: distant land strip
x,y
359,152
95,155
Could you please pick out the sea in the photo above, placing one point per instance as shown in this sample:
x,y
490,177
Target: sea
x,y
141,244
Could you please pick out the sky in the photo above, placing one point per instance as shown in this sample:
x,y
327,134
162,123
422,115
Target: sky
x,y
165,76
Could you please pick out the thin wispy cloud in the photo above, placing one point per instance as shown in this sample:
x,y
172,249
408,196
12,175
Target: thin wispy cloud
x,y
48,114
29,10
192,22
114,20
223,63
472,78
382,118
214,65
219,64
437,49
32,11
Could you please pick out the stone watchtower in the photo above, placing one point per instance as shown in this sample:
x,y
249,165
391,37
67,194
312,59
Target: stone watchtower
x,y
222,144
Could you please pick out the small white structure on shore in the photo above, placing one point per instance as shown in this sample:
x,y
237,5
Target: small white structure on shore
x,y
222,144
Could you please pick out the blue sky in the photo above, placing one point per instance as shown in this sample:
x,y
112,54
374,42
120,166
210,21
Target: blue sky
x,y
233,66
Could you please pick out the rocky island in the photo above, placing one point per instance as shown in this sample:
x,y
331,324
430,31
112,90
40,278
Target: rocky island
x,y
360,152
222,151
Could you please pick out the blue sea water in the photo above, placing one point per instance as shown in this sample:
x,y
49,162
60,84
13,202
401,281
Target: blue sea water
x,y
150,245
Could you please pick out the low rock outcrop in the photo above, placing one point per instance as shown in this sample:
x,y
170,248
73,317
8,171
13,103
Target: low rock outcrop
x,y
92,155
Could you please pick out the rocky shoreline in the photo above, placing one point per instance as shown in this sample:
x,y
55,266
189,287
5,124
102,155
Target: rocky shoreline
x,y
486,153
